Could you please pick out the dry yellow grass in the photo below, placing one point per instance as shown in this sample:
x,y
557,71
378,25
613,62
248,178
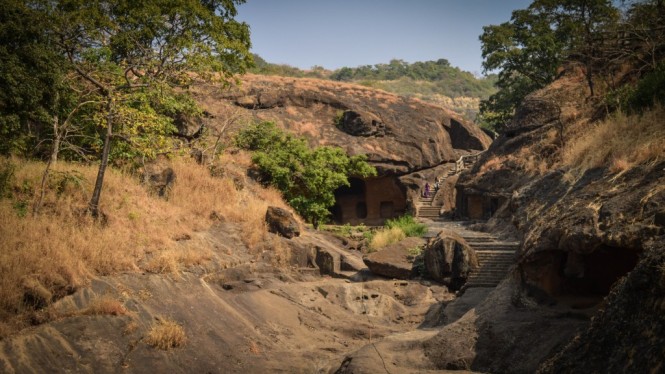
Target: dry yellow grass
x,y
386,237
620,142
173,260
44,257
105,305
166,334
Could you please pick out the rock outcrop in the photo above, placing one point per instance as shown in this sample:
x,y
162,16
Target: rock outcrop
x,y
399,135
582,232
281,221
394,261
449,259
159,176
628,334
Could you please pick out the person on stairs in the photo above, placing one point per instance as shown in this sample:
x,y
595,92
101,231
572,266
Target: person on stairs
x,y
426,189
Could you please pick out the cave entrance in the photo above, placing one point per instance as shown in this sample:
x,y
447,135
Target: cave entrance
x,y
369,201
581,281
595,273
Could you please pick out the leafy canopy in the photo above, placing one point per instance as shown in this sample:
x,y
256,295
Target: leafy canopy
x,y
528,49
308,177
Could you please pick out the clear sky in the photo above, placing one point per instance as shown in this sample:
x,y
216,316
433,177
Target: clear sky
x,y
336,33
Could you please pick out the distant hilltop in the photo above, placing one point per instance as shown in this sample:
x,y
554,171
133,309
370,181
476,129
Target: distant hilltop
x,y
434,81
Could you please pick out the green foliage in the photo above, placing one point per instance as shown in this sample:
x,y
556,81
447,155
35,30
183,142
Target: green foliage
x,y
61,181
31,74
368,235
528,49
427,78
650,90
339,116
415,251
7,172
308,177
144,125
407,224
21,207
261,66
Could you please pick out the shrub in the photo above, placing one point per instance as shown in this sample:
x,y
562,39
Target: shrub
x,y
395,230
105,305
308,177
407,224
7,170
166,334
649,91
386,237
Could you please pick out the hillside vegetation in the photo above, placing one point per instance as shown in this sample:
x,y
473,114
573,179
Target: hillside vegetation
x,y
51,254
620,50
434,81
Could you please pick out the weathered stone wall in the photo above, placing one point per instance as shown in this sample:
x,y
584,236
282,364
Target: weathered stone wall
x,y
380,199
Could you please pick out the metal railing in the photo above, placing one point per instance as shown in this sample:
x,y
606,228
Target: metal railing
x,y
460,164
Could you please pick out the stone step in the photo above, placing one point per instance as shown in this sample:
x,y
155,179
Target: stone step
x,y
501,256
493,245
489,273
495,280
486,262
478,239
476,285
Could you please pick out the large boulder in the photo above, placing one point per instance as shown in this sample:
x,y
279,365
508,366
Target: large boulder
x,y
159,176
281,221
399,135
354,124
188,126
449,259
394,261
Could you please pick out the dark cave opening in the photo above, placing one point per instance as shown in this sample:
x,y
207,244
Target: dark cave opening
x,y
369,201
596,273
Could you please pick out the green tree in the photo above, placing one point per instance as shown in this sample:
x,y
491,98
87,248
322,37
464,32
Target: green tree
x,y
124,46
307,177
31,78
528,49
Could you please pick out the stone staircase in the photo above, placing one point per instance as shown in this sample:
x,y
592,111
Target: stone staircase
x,y
494,255
424,205
425,209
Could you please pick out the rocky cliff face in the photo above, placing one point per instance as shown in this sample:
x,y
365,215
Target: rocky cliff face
x,y
399,135
582,231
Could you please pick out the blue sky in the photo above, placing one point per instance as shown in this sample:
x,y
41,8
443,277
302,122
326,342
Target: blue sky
x,y
336,33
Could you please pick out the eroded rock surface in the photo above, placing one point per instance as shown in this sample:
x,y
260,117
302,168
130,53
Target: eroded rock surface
x,y
282,222
394,261
399,135
449,259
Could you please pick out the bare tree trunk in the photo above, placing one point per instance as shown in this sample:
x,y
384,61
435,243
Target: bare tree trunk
x,y
38,203
93,206
52,161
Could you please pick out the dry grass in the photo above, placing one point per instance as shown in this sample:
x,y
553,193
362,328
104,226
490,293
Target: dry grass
x,y
173,260
46,256
105,305
620,143
386,237
166,334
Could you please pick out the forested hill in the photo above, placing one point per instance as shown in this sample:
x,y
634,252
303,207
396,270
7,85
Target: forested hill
x,y
434,81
